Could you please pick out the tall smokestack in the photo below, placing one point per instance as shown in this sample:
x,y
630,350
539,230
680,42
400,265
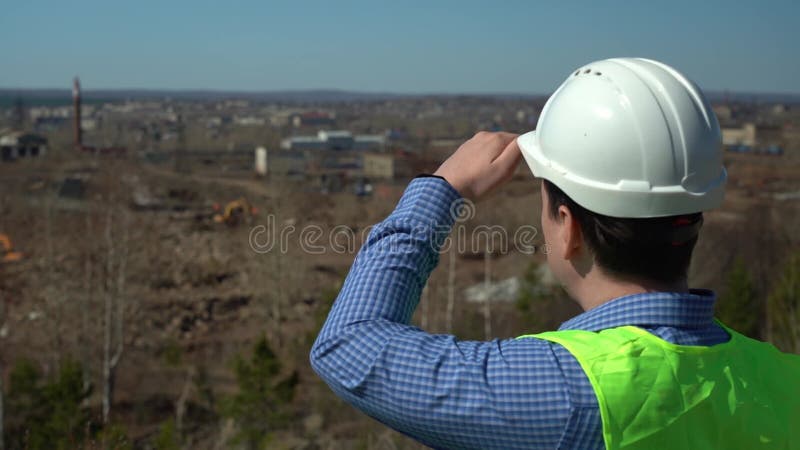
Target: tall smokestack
x,y
76,103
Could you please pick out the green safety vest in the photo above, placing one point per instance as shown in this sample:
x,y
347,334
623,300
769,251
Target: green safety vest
x,y
652,394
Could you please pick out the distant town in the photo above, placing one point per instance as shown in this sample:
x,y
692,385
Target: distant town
x,y
335,141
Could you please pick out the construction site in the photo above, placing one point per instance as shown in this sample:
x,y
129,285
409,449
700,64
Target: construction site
x,y
137,257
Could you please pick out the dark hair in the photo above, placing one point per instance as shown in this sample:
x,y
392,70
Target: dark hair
x,y
656,249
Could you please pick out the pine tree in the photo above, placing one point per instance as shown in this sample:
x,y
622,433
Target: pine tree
x,y
784,308
168,438
258,408
535,300
46,414
738,307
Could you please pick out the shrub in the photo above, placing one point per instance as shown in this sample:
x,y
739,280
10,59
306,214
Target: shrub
x,y
258,408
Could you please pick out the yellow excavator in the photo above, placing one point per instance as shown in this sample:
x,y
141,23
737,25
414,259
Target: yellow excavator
x,y
235,212
7,250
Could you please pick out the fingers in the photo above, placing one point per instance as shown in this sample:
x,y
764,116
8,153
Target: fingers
x,y
482,163
507,137
493,144
509,157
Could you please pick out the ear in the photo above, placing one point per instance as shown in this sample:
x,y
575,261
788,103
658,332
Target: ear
x,y
570,233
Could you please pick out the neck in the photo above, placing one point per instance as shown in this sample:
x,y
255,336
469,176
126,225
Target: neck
x,y
597,288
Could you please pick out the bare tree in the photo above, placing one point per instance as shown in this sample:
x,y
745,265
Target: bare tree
x,y
487,283
451,290
2,430
284,266
3,211
425,308
88,290
180,404
114,309
2,322
109,303
51,297
277,299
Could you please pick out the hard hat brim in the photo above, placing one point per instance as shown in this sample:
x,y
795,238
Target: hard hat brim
x,y
527,145
632,198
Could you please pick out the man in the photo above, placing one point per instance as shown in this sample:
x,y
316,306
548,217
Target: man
x,y
629,153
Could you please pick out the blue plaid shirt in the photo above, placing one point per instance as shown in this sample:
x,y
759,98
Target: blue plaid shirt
x,y
448,393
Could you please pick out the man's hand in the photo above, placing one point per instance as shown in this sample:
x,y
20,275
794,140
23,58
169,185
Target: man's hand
x,y
481,164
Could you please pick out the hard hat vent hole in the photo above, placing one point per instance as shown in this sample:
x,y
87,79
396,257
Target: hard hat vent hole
x,y
598,73
587,70
577,72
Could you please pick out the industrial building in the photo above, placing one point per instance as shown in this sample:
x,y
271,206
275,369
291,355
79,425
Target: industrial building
x,y
17,145
313,119
378,165
286,163
348,165
336,140
752,138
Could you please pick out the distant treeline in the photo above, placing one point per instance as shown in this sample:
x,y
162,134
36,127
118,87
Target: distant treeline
x,y
56,97
45,97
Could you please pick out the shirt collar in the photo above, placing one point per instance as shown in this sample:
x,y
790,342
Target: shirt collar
x,y
694,309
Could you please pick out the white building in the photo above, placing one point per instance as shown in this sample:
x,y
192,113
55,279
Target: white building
x,y
249,121
335,140
746,135
261,161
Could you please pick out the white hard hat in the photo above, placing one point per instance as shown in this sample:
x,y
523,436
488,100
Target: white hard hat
x,y
629,137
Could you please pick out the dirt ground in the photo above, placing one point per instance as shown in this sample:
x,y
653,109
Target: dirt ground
x,y
196,293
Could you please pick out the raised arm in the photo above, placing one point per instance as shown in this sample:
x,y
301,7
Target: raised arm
x,y
444,392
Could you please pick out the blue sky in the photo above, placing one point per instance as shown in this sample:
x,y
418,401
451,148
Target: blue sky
x,y
400,46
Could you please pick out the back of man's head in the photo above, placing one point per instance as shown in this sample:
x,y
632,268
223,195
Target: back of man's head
x,y
633,149
655,249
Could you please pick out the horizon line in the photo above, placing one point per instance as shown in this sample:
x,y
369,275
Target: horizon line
x,y
270,91
375,93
